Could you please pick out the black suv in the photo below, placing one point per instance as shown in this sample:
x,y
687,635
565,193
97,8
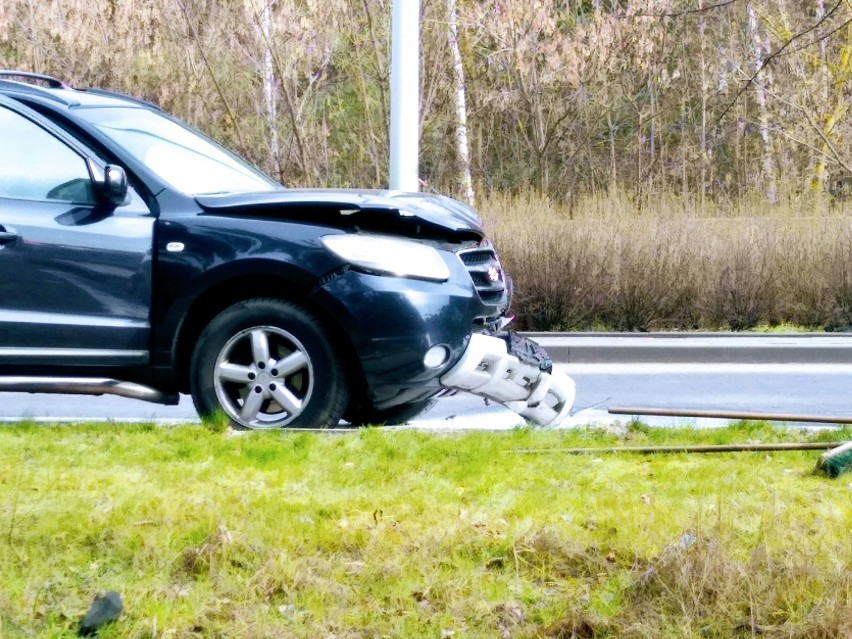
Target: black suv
x,y
140,258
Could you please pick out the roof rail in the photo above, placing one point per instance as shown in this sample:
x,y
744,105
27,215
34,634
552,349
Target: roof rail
x,y
51,82
123,96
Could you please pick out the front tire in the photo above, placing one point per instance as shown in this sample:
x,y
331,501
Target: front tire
x,y
268,364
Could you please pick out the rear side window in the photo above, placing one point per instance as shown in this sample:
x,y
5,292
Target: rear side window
x,y
35,165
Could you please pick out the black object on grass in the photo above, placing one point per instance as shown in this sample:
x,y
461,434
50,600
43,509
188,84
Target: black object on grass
x,y
104,609
836,461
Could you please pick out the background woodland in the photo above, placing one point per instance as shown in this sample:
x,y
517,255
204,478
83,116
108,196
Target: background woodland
x,y
583,115
563,96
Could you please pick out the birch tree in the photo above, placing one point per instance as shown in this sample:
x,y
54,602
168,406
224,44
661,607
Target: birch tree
x,y
270,91
759,47
462,146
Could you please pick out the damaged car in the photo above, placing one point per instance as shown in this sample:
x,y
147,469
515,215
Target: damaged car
x,y
140,258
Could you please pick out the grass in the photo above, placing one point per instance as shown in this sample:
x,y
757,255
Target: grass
x,y
405,534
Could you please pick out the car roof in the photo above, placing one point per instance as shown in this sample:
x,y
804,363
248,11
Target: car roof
x,y
25,84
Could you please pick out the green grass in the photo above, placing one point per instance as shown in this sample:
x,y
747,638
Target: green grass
x,y
407,534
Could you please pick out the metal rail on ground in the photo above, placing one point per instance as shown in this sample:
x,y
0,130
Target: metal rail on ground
x,y
726,414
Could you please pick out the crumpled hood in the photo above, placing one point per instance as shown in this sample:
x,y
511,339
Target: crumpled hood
x,y
351,208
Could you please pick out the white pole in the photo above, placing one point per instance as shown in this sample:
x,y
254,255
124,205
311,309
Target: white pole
x,y
405,96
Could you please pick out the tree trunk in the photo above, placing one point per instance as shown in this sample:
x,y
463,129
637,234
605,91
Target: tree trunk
x,y
269,94
462,146
818,182
613,162
762,104
702,188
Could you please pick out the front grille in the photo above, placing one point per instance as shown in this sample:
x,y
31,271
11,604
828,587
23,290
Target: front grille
x,y
485,271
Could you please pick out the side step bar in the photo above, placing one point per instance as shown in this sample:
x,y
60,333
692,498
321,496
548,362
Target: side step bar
x,y
86,386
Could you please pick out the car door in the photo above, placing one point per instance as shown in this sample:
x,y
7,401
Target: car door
x,y
75,274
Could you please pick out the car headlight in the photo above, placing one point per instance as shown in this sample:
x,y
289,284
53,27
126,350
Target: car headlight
x,y
389,256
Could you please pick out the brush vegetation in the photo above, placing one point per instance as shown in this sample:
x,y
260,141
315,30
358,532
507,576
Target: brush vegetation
x,y
607,263
383,533
565,97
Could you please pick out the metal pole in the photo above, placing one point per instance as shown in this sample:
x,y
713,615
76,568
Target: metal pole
x,y
405,96
724,414
687,448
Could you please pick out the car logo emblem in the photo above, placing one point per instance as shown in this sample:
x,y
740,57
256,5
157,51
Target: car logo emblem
x,y
493,274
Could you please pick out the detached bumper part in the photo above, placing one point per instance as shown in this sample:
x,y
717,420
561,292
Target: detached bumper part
x,y
488,369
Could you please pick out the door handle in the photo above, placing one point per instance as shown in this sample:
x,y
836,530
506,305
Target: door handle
x,y
7,236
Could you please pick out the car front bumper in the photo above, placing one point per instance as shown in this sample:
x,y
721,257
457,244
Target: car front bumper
x,y
392,323
487,368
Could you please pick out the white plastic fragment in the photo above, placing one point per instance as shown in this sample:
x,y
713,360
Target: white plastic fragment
x,y
487,369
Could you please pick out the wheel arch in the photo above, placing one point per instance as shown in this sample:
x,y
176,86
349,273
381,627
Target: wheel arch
x,y
241,287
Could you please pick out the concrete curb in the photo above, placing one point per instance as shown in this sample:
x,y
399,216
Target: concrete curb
x,y
700,348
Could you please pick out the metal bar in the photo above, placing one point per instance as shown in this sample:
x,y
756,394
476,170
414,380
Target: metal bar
x,y
86,386
689,448
724,414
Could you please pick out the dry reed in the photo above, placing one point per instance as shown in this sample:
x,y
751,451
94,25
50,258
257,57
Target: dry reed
x,y
606,264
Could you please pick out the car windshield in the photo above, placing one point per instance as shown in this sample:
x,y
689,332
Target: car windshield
x,y
176,153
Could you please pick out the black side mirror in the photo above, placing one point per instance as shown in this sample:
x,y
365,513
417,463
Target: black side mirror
x,y
110,184
115,185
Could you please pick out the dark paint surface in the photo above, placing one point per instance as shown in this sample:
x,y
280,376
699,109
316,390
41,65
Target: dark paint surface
x,y
436,210
157,278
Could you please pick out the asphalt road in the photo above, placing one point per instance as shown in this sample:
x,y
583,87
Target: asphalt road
x,y
778,374
809,389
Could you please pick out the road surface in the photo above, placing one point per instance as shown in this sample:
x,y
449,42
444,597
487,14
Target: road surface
x,y
780,388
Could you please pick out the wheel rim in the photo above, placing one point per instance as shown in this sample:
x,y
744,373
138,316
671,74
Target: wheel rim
x,y
263,377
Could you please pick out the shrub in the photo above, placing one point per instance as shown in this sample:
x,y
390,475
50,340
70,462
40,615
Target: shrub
x,y
602,264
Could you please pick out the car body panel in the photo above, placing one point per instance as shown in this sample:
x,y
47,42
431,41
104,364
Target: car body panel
x,y
75,282
75,279
215,251
392,323
436,210
154,277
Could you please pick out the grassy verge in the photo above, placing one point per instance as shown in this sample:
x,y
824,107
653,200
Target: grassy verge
x,y
406,534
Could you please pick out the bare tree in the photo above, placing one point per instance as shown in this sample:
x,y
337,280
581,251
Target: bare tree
x,y
758,47
269,90
462,146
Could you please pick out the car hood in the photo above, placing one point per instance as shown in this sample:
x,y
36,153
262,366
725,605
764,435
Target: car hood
x,y
383,211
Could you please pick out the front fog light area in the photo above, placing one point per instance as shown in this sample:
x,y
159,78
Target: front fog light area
x,y
436,356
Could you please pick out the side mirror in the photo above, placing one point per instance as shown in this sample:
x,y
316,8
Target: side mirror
x,y
114,185
110,184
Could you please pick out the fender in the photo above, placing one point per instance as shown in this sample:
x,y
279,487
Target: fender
x,y
200,260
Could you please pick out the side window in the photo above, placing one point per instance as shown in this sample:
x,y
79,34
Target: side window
x,y
34,165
